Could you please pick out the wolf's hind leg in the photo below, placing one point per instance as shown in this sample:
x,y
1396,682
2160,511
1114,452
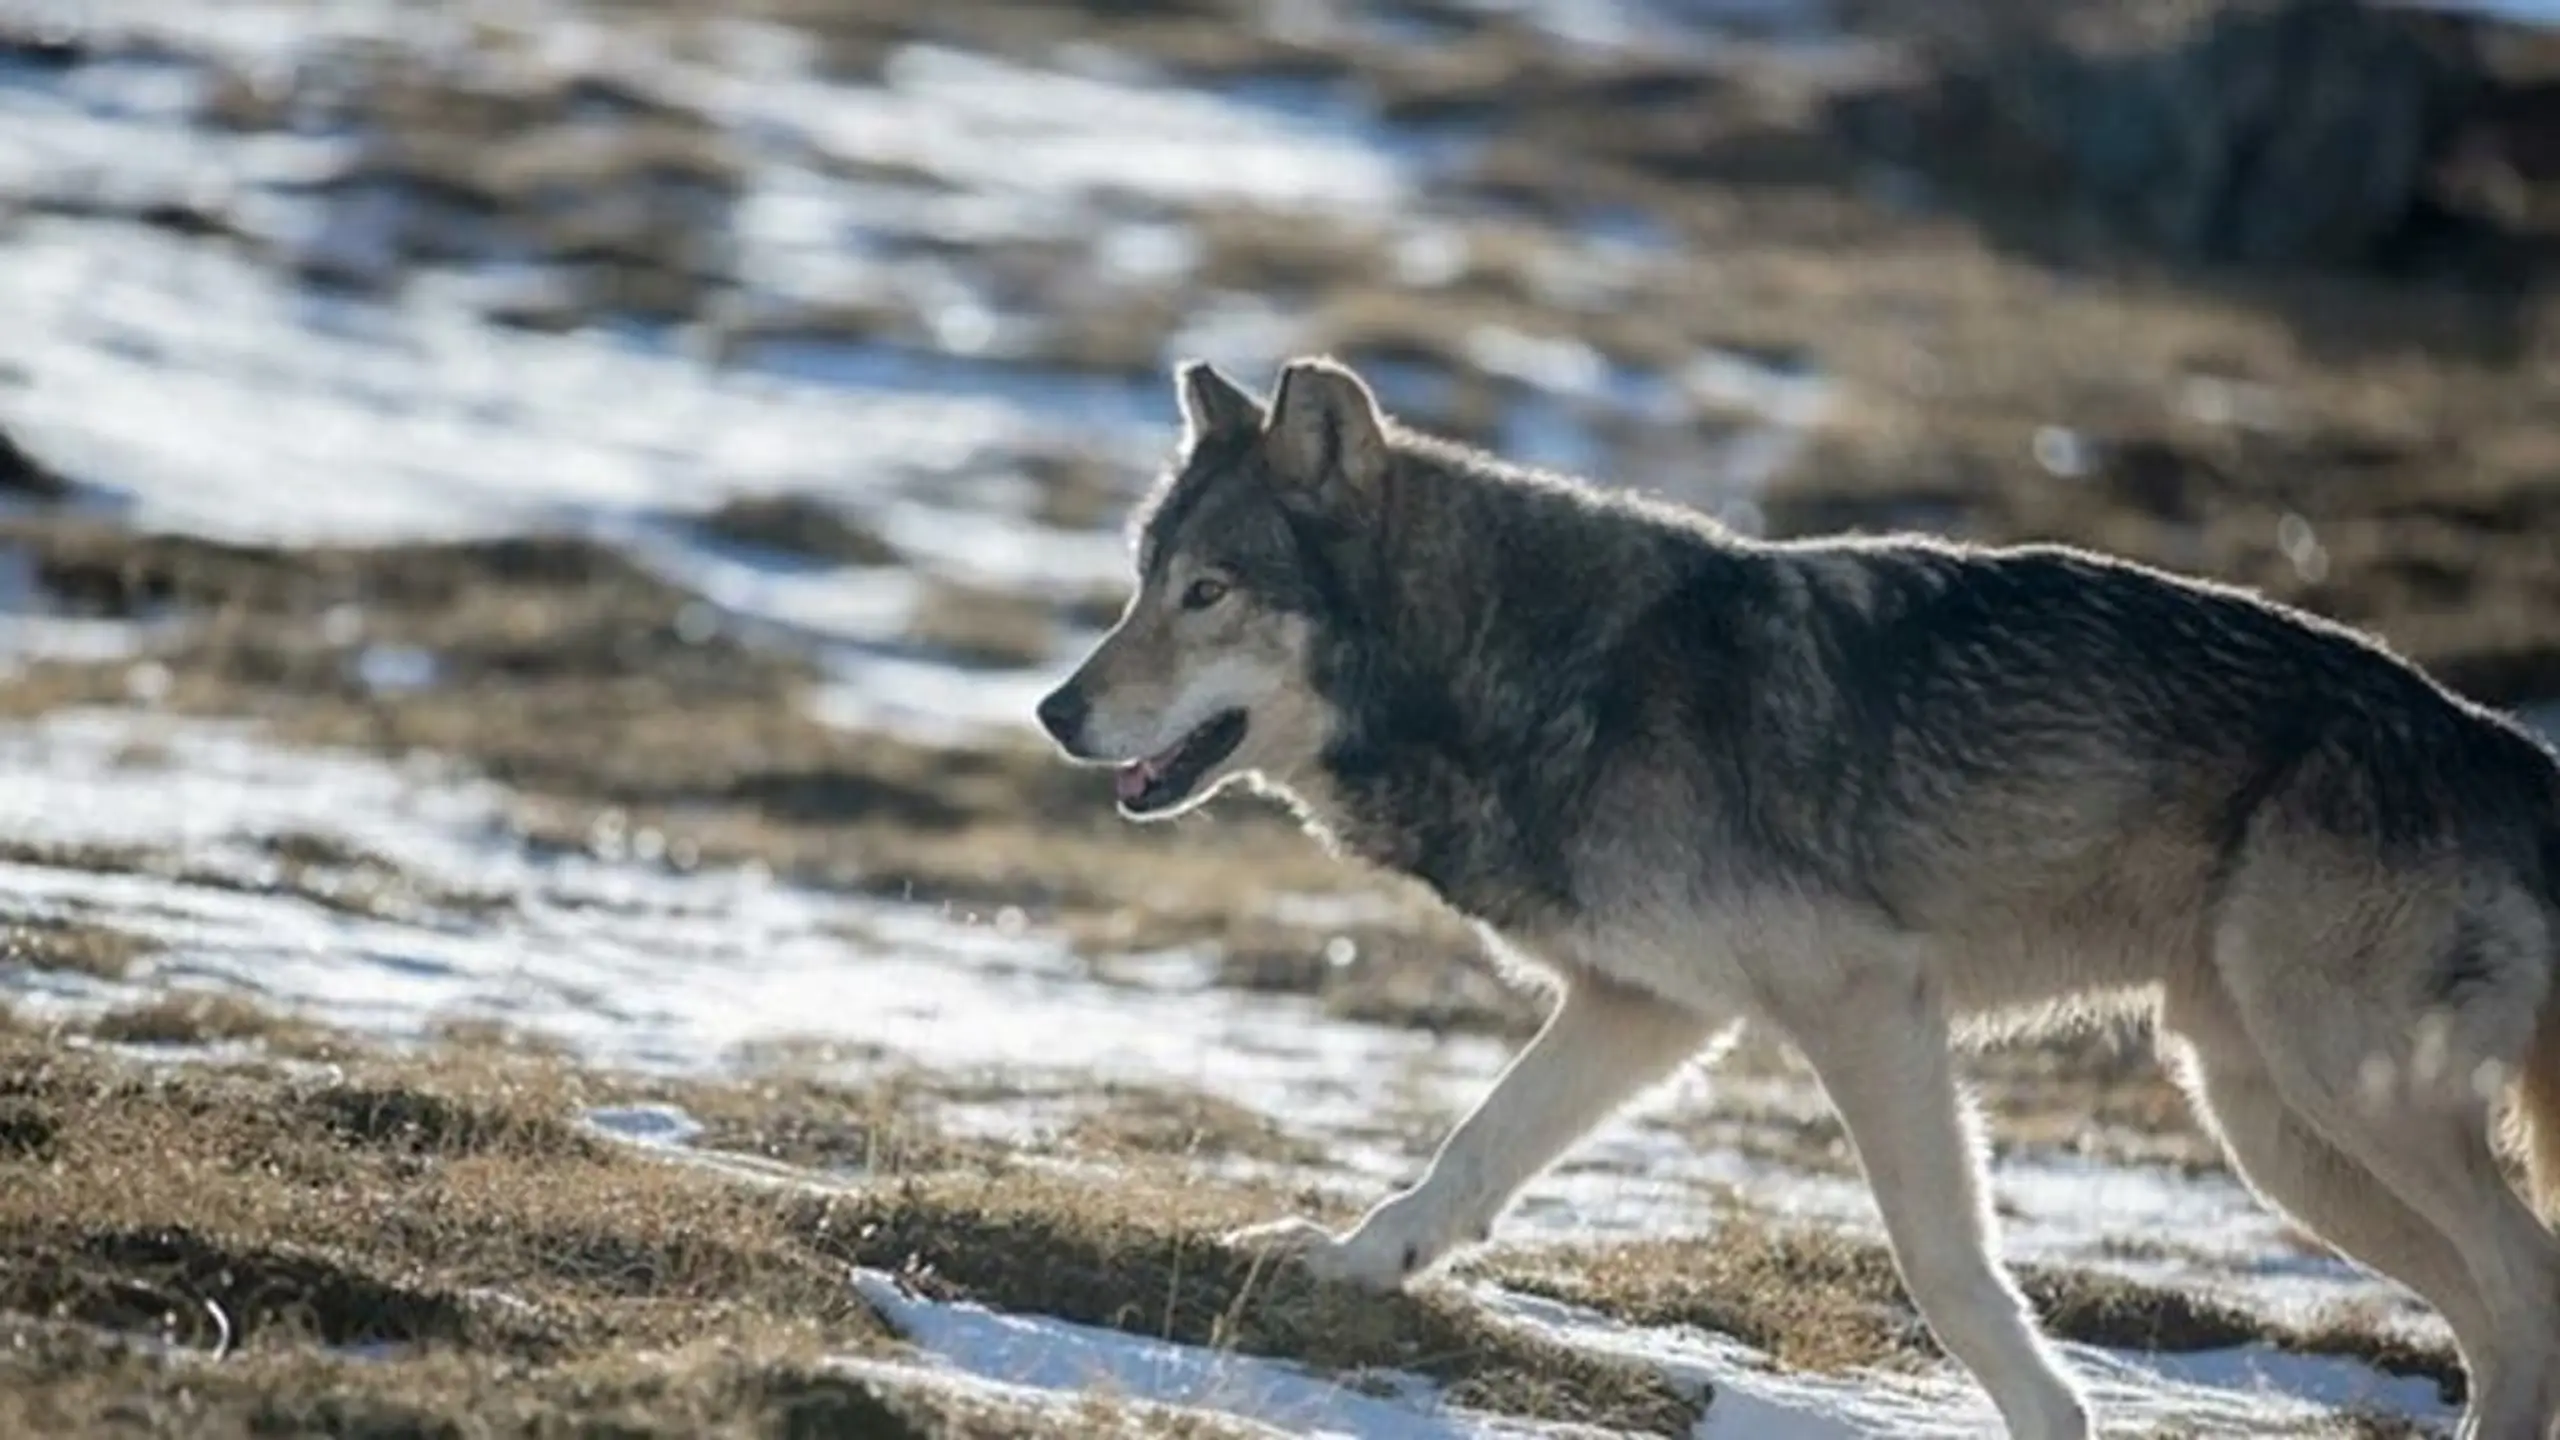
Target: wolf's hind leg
x,y
1605,1042
1880,1046
2293,1168
2431,1148
2395,1068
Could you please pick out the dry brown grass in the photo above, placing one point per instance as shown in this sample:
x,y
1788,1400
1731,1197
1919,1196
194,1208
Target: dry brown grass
x,y
1161,1120
67,1381
801,526
1820,1300
198,1017
1076,491
822,1125
443,1210
81,946
1140,1255
976,625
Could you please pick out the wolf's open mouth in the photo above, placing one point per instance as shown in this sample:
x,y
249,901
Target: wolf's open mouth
x,y
1163,779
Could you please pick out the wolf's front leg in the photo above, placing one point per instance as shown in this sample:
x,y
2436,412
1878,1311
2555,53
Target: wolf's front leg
x,y
1604,1043
1879,1043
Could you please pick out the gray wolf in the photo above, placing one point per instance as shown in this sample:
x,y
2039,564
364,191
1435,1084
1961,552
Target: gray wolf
x,y
1882,795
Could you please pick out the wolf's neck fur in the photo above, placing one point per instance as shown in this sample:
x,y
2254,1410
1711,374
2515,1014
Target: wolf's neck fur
x,y
1496,667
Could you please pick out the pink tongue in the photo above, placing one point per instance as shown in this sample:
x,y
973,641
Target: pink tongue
x,y
1130,781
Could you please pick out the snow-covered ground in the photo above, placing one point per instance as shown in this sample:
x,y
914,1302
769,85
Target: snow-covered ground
x,y
196,387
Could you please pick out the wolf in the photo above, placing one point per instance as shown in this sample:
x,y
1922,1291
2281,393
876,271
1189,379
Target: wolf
x,y
1883,795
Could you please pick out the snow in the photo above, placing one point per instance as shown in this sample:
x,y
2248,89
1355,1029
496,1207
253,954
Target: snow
x,y
651,1125
1040,1353
2247,1389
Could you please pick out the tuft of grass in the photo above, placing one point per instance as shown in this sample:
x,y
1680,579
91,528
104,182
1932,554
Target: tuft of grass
x,y
1821,1300
822,1125
1160,1120
1138,1253
440,1209
64,1380
203,1017
444,1198
408,1120
1811,1299
1076,491
980,626
799,525
78,946
199,1292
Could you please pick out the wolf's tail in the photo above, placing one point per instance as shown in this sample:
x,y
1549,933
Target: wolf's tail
x,y
2535,1118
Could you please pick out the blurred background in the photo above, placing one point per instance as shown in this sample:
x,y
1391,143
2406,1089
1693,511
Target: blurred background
x,y
554,515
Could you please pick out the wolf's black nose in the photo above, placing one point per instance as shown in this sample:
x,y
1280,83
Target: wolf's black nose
x,y
1062,713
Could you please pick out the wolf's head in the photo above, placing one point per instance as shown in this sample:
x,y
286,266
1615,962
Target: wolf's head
x,y
1208,676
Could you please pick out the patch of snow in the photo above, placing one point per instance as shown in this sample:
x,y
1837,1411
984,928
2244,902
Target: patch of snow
x,y
986,125
2246,1390
457,427
980,1394
1038,1353
390,669
1786,393
2252,1384
2239,1390
650,1125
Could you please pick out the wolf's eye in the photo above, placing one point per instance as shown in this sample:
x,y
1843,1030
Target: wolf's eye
x,y
1204,592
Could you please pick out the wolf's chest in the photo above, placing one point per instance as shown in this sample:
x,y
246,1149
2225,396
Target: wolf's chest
x,y
1749,955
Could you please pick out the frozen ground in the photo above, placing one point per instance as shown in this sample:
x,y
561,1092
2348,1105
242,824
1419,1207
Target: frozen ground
x,y
207,389
635,963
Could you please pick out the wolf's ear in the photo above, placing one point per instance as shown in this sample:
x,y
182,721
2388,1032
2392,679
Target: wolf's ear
x,y
1212,404
1325,435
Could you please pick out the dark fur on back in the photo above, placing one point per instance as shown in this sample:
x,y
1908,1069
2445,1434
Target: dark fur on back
x,y
1506,648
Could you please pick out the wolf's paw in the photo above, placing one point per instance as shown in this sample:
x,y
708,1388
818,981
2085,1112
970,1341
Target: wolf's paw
x,y
1354,1259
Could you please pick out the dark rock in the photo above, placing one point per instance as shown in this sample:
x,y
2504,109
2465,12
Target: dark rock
x,y
2292,132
